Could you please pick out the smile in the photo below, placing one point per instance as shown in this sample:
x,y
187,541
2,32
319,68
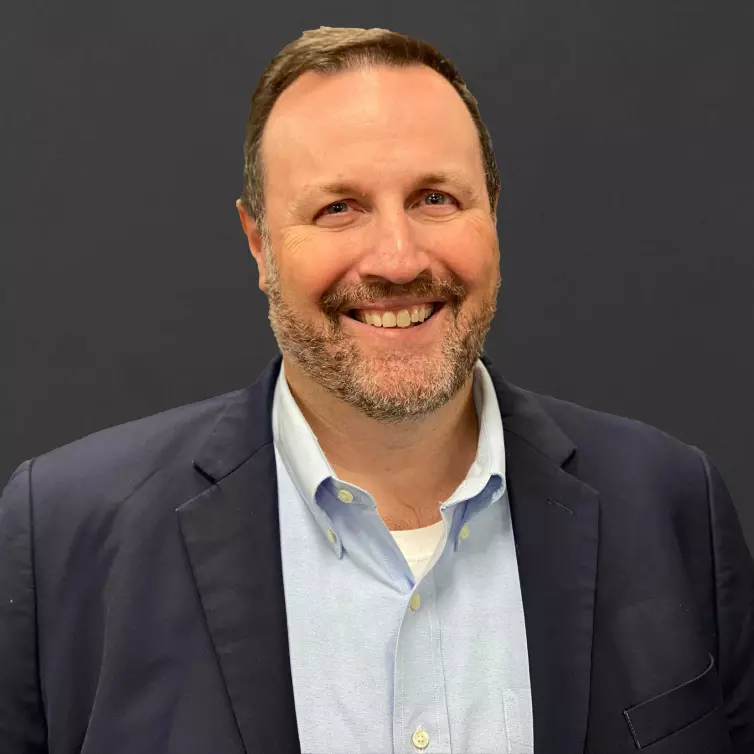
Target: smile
x,y
413,316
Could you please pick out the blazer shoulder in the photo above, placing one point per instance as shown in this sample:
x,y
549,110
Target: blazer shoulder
x,y
591,427
630,458
108,467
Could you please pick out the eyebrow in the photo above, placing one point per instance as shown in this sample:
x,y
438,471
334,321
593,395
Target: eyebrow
x,y
446,177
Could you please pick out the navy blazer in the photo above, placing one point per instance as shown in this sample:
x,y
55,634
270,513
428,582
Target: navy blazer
x,y
142,608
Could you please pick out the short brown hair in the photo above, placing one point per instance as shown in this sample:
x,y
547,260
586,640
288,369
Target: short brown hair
x,y
331,50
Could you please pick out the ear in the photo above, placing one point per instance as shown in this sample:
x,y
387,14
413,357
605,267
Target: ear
x,y
254,237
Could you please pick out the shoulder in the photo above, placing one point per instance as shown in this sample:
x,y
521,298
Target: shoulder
x,y
590,425
621,453
147,460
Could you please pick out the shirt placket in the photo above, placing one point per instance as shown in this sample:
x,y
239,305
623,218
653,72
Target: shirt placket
x,y
420,715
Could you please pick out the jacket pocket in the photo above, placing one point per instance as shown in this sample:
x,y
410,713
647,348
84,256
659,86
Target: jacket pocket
x,y
669,712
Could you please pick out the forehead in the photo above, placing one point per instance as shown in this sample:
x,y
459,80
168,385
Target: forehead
x,y
368,123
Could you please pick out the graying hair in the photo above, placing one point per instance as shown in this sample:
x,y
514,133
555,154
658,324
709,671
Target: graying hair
x,y
329,50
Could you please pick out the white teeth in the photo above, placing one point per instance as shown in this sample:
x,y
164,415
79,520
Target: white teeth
x,y
399,318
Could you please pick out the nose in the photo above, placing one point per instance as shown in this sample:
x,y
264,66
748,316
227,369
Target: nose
x,y
395,252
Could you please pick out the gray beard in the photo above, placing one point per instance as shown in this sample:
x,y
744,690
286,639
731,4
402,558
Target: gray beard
x,y
417,385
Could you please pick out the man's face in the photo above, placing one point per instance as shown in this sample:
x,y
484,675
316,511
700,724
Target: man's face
x,y
376,206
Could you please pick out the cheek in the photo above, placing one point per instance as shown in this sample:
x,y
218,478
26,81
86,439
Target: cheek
x,y
471,252
309,267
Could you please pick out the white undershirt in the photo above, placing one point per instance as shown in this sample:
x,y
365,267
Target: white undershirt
x,y
419,545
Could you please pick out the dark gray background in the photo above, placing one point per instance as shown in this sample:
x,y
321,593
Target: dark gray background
x,y
624,136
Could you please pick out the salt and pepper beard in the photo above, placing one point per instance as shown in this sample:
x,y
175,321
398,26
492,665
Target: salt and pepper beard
x,y
386,385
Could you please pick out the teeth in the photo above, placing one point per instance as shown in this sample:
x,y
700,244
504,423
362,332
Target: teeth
x,y
403,319
400,318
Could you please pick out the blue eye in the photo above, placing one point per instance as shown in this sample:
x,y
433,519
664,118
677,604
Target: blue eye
x,y
329,209
436,194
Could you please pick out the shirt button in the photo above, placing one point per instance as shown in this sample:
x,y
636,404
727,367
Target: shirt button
x,y
465,531
420,738
415,603
345,496
331,536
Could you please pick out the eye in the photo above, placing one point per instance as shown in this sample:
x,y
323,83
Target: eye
x,y
430,198
438,199
336,208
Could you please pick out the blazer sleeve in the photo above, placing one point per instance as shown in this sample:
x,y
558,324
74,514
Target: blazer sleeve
x,y
734,597
22,722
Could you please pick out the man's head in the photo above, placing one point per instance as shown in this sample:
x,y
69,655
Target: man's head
x,y
370,188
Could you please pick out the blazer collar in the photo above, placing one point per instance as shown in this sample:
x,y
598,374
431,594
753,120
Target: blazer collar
x,y
232,537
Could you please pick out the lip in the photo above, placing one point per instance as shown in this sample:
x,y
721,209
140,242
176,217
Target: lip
x,y
426,332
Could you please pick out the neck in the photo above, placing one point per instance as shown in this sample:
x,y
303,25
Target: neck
x,y
409,468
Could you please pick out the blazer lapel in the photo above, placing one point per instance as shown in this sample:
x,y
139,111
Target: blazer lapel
x,y
555,523
232,537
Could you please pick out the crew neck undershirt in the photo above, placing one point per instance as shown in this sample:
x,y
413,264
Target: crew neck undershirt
x,y
419,545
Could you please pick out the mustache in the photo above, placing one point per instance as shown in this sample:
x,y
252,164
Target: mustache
x,y
451,290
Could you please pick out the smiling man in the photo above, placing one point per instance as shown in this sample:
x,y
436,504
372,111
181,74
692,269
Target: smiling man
x,y
382,545
379,256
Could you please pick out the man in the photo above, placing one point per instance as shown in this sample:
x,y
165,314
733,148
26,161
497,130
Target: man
x,y
381,545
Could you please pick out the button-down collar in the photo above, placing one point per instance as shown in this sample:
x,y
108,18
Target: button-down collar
x,y
313,475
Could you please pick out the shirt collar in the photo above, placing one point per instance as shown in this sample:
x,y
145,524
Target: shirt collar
x,y
309,468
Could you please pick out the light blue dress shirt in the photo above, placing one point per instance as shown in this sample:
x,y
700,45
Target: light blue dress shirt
x,y
382,664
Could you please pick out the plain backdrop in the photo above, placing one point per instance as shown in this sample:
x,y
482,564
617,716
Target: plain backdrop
x,y
625,137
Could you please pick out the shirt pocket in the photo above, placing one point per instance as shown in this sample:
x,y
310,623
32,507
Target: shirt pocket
x,y
687,719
